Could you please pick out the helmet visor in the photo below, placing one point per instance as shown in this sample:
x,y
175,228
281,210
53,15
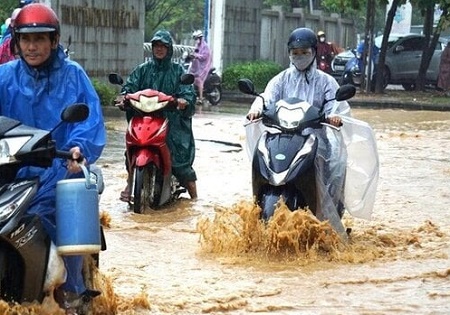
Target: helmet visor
x,y
35,29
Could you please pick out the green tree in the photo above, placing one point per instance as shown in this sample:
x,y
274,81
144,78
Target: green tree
x,y
177,16
431,33
6,9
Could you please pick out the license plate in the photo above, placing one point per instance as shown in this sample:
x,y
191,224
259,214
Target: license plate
x,y
339,68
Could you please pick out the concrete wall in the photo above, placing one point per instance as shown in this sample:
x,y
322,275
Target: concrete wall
x,y
277,25
107,35
242,31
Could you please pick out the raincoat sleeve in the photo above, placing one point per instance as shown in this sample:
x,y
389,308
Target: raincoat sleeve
x,y
133,82
185,91
203,54
271,94
89,135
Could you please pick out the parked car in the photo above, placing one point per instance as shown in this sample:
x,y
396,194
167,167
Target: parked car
x,y
339,61
402,63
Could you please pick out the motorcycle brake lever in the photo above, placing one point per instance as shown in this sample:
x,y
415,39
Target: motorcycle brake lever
x,y
331,126
254,121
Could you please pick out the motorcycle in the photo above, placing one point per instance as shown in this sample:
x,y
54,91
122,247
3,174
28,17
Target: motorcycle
x,y
353,68
212,88
324,64
148,156
283,154
30,266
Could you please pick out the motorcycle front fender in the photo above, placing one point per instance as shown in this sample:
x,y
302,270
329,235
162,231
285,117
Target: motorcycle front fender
x,y
144,156
140,157
270,196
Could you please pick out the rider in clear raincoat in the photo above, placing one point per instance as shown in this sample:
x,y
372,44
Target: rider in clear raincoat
x,y
337,171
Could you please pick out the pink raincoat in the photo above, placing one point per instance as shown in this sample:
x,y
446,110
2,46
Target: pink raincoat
x,y
5,51
201,64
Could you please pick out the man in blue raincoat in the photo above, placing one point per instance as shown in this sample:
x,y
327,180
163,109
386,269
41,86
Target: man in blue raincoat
x,y
34,90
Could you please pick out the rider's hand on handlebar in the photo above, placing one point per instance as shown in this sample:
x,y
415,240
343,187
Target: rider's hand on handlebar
x,y
334,121
181,103
119,101
253,115
72,165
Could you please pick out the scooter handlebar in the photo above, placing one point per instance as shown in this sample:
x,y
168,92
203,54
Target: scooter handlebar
x,y
68,155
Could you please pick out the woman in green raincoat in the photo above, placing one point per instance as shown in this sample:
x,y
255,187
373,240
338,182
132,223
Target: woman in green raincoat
x,y
163,75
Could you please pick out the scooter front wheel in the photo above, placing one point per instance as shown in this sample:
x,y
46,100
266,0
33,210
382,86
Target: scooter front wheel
x,y
268,204
271,197
147,188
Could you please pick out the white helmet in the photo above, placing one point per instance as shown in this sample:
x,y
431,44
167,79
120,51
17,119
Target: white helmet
x,y
197,34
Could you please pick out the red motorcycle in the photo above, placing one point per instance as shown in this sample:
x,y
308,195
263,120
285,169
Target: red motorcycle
x,y
148,157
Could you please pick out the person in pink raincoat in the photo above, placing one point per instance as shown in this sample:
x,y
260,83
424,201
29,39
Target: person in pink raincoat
x,y
201,63
7,47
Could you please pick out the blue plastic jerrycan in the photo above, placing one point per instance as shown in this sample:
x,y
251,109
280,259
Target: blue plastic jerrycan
x,y
77,216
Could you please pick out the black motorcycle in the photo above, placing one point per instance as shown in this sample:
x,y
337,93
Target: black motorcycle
x,y
212,88
28,257
284,156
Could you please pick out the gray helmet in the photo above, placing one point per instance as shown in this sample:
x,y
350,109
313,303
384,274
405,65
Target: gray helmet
x,y
302,38
197,34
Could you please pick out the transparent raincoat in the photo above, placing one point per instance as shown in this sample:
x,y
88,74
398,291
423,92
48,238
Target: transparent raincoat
x,y
346,163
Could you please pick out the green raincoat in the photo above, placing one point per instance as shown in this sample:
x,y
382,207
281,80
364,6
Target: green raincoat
x,y
164,75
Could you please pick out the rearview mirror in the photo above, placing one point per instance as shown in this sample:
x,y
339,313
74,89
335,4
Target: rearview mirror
x,y
187,78
75,113
345,92
399,48
246,86
114,78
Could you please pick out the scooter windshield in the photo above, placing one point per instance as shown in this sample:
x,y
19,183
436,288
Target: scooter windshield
x,y
148,104
149,100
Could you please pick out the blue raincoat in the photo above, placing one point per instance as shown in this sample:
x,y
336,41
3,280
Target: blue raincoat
x,y
36,97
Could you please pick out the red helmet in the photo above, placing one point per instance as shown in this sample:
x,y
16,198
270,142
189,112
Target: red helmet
x,y
36,18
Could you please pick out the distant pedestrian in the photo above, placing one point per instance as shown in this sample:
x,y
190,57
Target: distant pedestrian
x,y
201,63
443,83
325,53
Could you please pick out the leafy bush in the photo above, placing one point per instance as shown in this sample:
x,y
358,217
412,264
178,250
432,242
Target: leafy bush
x,y
105,92
260,72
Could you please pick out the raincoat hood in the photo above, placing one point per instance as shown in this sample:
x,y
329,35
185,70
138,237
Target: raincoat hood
x,y
165,38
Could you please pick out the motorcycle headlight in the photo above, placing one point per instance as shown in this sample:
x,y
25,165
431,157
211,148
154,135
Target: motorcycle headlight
x,y
9,147
290,118
4,151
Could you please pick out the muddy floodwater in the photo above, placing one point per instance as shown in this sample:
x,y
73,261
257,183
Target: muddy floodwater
x,y
210,256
